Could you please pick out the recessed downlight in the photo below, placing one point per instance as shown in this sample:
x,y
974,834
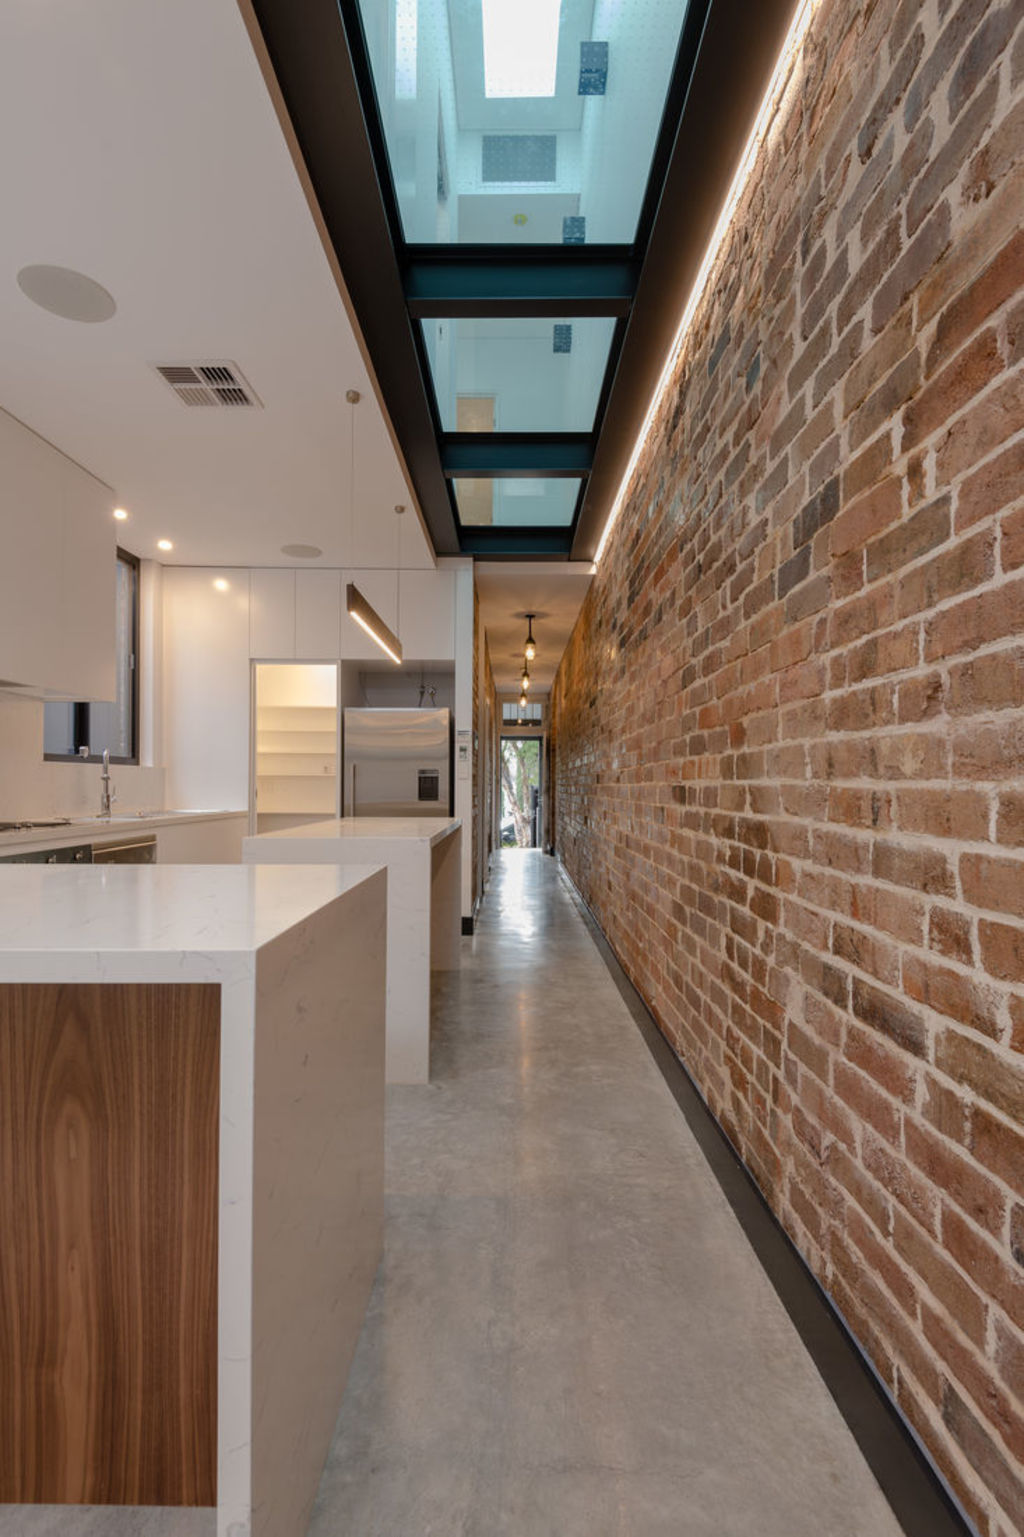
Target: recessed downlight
x,y
301,551
221,583
66,293
120,513
164,544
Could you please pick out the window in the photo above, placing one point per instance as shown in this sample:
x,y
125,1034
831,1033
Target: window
x,y
516,714
69,727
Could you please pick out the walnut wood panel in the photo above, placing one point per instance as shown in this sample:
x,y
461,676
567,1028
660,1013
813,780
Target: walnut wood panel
x,y
109,1101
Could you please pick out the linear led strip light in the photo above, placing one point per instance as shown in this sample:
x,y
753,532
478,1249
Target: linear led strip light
x,y
369,620
772,97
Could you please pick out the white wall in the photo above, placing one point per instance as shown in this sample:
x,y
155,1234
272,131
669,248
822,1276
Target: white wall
x,y
206,689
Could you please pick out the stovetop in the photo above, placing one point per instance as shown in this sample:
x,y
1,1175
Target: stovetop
x,y
26,826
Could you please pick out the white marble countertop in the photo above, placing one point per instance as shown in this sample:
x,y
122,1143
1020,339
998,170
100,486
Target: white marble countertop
x,y
91,829
160,923
408,829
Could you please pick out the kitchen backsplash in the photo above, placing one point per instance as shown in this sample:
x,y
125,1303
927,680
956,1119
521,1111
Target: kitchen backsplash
x,y
30,787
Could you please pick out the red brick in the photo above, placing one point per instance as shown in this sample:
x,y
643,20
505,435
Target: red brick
x,y
891,1017
1010,819
998,415
977,621
868,468
951,993
942,1279
883,1062
919,257
996,485
892,651
963,378
999,282
906,1185
1009,1351
981,1451
1002,951
948,1170
876,956
952,572
987,683
920,698
962,814
998,157
997,221
997,884
866,1101
998,1145
989,750
974,1373
946,1110
920,868
866,517
909,540
946,161
1012,545
996,1077
949,932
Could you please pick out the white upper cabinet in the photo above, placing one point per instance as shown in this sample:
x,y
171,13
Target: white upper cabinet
x,y
57,572
303,616
317,615
427,615
272,615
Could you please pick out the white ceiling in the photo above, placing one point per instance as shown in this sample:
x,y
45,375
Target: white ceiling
x,y
553,591
139,145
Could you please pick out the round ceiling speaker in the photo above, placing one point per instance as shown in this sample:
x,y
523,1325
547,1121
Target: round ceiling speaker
x,y
66,293
302,551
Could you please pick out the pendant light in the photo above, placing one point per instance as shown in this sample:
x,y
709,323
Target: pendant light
x,y
525,679
531,645
364,614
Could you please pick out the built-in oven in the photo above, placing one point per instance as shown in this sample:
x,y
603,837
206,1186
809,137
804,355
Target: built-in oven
x,y
70,854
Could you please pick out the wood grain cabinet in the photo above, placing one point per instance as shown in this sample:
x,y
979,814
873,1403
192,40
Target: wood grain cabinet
x,y
191,1180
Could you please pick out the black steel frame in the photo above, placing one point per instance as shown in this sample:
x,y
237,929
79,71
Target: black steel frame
x,y
318,58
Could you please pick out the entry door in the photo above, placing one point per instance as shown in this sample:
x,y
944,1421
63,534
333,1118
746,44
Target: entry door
x,y
520,768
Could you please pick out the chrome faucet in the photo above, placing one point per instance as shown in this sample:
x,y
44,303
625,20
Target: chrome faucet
x,y
105,796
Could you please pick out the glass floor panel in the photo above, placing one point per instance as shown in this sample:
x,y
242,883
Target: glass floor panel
x,y
518,375
531,122
512,502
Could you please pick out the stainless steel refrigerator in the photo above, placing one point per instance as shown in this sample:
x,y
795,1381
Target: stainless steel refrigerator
x,y
397,763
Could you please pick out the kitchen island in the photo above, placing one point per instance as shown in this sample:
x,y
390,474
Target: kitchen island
x,y
191,1180
423,856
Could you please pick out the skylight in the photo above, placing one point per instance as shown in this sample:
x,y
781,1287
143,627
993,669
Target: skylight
x,y
520,47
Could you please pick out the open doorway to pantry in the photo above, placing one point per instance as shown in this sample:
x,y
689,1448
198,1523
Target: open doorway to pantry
x,y
520,763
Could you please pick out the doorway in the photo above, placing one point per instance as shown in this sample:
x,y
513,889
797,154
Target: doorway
x,y
520,767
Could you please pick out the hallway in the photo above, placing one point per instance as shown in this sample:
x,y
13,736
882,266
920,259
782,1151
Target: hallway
x,y
569,1335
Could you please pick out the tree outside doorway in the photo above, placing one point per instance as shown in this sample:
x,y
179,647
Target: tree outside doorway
x,y
520,788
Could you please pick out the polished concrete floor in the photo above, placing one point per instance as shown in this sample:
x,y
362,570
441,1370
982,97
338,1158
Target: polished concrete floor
x,y
569,1335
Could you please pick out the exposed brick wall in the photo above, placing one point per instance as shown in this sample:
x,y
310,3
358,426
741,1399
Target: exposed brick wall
x,y
789,729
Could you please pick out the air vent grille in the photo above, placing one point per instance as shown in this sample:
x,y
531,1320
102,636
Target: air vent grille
x,y
208,384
